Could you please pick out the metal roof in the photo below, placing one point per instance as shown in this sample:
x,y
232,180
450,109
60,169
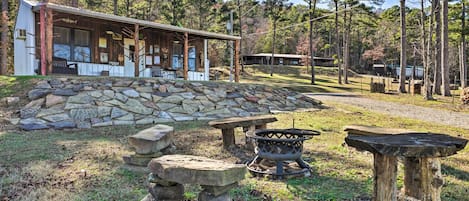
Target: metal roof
x,y
109,17
290,56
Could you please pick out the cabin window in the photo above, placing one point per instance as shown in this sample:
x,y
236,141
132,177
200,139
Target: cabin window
x,y
21,34
192,58
178,55
72,44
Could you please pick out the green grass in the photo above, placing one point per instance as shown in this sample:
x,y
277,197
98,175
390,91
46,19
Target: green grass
x,y
42,158
88,165
11,85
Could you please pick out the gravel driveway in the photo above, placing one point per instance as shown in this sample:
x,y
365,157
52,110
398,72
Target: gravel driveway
x,y
456,119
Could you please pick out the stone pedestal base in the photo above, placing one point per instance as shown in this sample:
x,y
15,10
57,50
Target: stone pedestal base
x,y
205,196
140,159
159,192
144,159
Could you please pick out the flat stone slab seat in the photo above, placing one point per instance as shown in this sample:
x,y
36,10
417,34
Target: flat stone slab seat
x,y
421,151
251,123
216,177
150,143
152,140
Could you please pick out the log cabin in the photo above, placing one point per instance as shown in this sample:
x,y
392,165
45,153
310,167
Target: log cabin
x,y
56,39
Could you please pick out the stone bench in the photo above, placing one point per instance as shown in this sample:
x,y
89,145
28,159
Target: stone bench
x,y
170,172
421,152
228,125
150,143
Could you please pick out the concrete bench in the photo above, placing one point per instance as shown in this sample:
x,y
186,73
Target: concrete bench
x,y
170,172
228,125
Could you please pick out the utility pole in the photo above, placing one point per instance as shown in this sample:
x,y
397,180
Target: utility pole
x,y
240,16
230,27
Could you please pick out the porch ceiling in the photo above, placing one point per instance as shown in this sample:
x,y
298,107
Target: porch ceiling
x,y
115,18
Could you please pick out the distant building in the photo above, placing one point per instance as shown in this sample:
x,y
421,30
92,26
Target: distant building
x,y
284,59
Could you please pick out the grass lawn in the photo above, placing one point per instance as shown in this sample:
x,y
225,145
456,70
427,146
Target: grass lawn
x,y
88,165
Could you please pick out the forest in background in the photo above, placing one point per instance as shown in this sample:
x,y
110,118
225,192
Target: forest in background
x,y
357,33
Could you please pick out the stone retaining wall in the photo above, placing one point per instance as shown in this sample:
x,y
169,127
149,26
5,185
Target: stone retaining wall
x,y
84,103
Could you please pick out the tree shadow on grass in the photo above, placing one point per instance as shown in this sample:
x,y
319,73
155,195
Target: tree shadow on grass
x,y
457,173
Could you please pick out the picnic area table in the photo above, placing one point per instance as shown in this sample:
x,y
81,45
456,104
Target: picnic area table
x,y
421,152
251,123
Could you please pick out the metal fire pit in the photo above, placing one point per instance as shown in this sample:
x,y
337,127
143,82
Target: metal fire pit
x,y
279,146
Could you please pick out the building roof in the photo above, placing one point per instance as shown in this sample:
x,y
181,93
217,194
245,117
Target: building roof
x,y
109,17
289,56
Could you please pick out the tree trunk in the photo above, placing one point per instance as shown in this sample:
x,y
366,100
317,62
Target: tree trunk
x,y
127,8
346,44
403,49
273,50
463,71
427,93
5,39
312,5
444,51
115,6
337,43
437,70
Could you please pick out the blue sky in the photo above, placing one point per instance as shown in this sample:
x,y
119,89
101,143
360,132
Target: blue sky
x,y
387,3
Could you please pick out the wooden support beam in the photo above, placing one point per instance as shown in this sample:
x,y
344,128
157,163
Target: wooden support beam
x,y
186,56
49,39
385,173
237,44
136,51
42,37
423,179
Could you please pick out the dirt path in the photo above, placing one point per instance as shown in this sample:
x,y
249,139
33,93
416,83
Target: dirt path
x,y
456,119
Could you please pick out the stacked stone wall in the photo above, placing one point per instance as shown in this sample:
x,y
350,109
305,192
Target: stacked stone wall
x,y
85,103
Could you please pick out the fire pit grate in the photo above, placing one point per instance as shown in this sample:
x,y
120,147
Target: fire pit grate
x,y
279,148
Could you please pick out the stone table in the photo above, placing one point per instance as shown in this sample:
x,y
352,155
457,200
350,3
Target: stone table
x,y
422,177
216,177
228,125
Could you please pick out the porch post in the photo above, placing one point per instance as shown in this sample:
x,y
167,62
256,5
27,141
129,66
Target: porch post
x,y
136,52
49,38
206,62
42,36
186,56
237,60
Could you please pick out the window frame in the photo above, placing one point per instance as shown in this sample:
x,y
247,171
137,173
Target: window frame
x,y
72,44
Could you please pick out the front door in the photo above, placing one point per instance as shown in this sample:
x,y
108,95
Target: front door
x,y
129,57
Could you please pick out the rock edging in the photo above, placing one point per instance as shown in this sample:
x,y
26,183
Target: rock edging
x,y
83,103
